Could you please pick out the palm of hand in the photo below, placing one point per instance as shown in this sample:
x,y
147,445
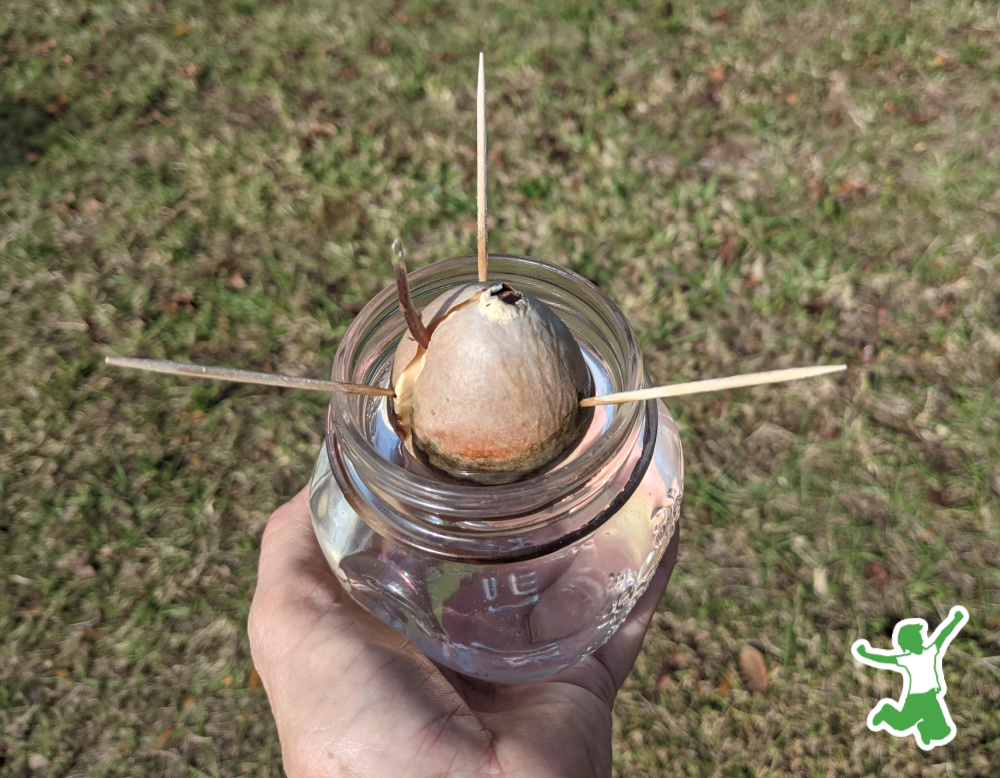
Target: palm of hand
x,y
352,697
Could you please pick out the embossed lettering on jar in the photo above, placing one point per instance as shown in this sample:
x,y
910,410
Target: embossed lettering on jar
x,y
508,582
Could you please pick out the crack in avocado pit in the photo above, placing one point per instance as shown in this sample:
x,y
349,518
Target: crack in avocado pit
x,y
507,294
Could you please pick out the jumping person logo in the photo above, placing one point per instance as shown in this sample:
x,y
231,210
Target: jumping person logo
x,y
920,710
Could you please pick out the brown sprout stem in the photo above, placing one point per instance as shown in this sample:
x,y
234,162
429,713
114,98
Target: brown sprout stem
x,y
413,321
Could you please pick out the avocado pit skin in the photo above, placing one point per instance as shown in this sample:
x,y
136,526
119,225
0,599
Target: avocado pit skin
x,y
495,396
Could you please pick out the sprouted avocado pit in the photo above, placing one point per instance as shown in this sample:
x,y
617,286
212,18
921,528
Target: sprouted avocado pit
x,y
493,348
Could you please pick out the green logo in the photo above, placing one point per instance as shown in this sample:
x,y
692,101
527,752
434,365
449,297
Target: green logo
x,y
920,710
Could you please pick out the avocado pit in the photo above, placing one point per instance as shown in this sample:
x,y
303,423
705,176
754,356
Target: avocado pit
x,y
495,395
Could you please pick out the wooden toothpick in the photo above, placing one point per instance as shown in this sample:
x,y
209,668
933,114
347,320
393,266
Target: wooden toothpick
x,y
481,170
245,376
713,385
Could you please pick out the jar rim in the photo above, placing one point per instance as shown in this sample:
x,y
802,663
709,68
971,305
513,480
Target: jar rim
x,y
556,285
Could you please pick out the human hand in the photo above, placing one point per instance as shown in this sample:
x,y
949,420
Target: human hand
x,y
351,696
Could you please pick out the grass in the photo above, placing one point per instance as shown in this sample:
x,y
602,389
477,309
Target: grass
x,y
756,187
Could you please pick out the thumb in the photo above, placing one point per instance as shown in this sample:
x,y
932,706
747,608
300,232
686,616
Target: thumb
x,y
289,553
295,587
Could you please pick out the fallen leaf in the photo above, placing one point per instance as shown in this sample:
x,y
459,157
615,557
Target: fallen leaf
x,y
91,634
835,118
717,74
724,686
154,117
995,621
188,703
754,669
322,128
163,737
705,100
67,59
58,106
682,661
943,309
877,573
181,30
494,155
920,146
197,415
37,762
191,70
727,251
236,280
380,48
177,301
47,46
354,308
816,190
919,119
722,16
939,61
227,681
851,187
792,98
62,672
253,678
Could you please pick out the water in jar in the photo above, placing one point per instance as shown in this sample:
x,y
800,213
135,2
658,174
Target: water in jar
x,y
511,621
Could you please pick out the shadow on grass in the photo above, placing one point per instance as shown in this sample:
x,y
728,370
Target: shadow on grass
x,y
27,127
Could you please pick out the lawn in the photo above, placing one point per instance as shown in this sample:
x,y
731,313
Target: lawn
x,y
755,185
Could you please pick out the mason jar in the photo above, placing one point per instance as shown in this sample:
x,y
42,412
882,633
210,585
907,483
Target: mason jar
x,y
506,583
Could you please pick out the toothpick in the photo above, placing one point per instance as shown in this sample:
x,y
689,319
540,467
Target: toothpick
x,y
414,323
713,385
245,376
481,170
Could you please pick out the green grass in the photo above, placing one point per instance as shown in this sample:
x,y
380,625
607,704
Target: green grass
x,y
755,187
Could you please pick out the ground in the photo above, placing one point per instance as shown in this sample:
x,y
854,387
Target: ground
x,y
756,185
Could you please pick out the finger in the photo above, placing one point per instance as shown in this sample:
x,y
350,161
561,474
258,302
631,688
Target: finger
x,y
299,608
289,552
291,563
620,652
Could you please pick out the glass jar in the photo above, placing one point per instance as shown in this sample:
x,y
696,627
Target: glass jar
x,y
504,583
